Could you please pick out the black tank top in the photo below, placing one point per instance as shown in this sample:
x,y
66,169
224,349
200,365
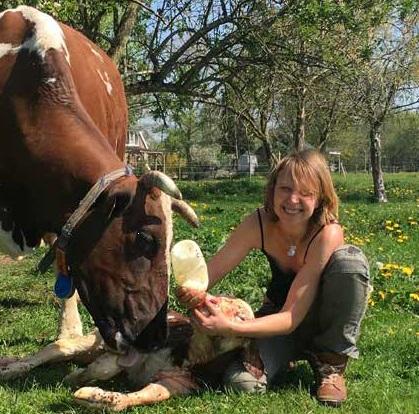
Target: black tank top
x,y
281,281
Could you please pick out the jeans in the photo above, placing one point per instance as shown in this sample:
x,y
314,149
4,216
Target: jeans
x,y
333,322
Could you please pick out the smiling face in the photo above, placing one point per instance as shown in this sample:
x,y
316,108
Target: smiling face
x,y
293,202
300,188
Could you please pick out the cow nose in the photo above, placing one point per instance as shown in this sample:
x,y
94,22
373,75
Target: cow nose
x,y
152,339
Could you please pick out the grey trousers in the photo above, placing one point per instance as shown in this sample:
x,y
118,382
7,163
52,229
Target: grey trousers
x,y
331,325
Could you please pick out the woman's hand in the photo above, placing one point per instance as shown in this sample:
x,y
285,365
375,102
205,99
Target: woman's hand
x,y
210,320
190,298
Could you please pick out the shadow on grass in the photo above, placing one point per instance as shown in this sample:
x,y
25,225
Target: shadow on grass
x,y
301,376
17,303
45,377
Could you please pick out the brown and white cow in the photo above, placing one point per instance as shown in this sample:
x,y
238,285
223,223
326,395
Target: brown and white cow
x,y
63,118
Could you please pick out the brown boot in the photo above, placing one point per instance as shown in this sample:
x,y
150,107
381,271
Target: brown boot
x,y
328,369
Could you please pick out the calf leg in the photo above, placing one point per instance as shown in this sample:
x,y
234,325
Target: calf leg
x,y
164,385
60,350
94,397
103,368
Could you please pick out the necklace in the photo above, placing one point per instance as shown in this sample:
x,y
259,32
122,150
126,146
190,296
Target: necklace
x,y
292,249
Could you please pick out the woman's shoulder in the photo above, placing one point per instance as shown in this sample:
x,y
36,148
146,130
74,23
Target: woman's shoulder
x,y
330,234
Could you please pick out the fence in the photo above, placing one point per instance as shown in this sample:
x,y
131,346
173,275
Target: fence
x,y
195,171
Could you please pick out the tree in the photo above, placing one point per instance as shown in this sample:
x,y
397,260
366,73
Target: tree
x,y
383,77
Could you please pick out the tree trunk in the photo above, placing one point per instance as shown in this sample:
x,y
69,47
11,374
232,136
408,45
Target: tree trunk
x,y
270,157
300,124
377,172
128,20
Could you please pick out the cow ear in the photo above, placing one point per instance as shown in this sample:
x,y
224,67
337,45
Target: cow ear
x,y
120,196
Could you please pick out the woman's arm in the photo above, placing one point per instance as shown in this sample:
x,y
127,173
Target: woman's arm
x,y
300,297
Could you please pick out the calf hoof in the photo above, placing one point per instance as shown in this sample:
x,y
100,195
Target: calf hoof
x,y
95,397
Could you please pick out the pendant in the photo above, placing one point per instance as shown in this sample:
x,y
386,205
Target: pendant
x,y
292,249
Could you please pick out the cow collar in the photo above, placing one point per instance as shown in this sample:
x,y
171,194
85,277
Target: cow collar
x,y
64,287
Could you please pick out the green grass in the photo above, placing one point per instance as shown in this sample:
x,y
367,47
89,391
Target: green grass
x,y
384,379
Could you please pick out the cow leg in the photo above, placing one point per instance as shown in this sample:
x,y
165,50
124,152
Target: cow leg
x,y
70,325
94,397
60,350
103,368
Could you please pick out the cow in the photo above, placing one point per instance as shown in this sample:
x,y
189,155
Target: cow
x,y
63,118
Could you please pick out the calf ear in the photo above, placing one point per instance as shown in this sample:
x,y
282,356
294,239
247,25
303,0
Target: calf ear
x,y
120,196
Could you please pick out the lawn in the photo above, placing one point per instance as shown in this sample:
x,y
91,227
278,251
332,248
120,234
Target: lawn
x,y
384,379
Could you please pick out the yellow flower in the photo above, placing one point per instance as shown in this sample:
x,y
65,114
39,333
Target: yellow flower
x,y
388,222
382,295
371,302
407,270
414,296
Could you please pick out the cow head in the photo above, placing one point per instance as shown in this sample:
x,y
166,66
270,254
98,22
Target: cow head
x,y
119,258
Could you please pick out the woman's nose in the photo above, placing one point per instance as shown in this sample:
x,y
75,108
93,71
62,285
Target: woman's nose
x,y
295,196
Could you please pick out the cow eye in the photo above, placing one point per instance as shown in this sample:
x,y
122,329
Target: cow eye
x,y
146,244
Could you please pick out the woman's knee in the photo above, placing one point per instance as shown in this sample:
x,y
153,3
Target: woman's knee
x,y
237,378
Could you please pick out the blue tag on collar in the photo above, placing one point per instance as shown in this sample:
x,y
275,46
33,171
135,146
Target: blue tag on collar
x,y
64,287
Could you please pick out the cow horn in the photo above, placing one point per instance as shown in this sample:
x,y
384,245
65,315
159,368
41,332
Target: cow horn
x,y
186,211
162,181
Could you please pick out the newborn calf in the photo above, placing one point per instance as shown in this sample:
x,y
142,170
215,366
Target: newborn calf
x,y
190,361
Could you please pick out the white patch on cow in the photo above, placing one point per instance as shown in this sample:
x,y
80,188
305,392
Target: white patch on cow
x,y
6,48
9,246
105,79
51,80
95,52
48,33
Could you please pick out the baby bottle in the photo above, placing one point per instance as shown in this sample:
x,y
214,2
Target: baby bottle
x,y
189,267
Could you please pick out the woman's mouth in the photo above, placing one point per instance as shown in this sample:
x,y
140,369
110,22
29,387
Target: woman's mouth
x,y
292,210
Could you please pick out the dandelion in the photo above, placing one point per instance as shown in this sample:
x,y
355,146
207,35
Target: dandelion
x,y
371,302
414,296
382,295
407,270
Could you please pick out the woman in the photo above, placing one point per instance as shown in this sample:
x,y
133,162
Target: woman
x,y
317,297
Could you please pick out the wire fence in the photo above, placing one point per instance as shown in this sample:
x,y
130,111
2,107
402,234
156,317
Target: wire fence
x,y
194,171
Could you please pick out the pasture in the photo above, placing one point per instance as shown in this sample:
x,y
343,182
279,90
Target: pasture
x,y
384,379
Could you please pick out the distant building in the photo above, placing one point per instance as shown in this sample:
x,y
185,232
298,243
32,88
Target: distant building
x,y
247,163
135,139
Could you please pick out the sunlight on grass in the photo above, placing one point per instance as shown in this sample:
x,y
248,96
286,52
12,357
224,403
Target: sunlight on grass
x,y
384,379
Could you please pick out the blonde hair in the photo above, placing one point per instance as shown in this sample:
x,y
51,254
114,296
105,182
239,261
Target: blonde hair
x,y
309,169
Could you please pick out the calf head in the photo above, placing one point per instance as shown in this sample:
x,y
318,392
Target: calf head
x,y
119,258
